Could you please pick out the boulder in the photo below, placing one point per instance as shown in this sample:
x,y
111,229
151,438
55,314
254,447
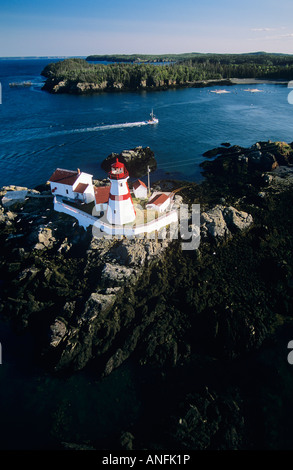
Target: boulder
x,y
221,221
209,420
42,238
96,305
126,441
13,197
57,332
130,252
236,220
117,274
136,161
214,224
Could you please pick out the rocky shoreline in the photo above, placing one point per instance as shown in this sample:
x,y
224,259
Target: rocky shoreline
x,y
96,303
55,86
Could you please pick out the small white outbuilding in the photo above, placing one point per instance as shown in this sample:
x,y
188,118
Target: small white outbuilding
x,y
140,190
160,201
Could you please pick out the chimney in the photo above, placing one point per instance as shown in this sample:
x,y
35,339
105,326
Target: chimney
x,y
78,171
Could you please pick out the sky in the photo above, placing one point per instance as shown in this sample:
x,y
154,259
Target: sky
x,y
84,27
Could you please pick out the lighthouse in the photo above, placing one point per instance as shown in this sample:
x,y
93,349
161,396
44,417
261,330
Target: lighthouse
x,y
120,209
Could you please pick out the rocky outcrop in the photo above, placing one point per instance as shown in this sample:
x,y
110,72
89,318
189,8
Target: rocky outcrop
x,y
261,156
42,237
279,180
173,315
74,87
136,161
101,321
209,420
221,221
101,316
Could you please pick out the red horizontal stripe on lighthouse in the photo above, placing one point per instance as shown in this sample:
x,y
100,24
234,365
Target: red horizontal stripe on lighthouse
x,y
119,198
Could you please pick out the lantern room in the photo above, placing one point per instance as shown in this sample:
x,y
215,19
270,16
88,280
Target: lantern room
x,y
118,171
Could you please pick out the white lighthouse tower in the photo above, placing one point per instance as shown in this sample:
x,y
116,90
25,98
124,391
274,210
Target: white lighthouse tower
x,y
120,209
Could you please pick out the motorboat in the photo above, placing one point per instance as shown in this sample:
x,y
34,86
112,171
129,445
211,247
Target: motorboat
x,y
153,119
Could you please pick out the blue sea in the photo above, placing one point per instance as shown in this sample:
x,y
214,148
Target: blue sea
x,y
40,132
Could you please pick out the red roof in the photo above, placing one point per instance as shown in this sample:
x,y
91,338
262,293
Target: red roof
x,y
80,188
118,171
138,183
102,194
117,164
64,176
159,199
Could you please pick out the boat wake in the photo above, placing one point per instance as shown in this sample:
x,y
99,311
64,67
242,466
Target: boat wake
x,y
104,127
107,127
37,133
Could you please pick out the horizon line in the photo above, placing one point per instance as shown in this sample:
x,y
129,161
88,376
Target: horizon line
x,y
63,56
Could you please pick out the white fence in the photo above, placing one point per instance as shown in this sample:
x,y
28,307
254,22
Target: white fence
x,y
85,220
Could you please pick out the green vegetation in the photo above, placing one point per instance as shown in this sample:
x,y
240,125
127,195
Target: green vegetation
x,y
135,72
257,65
143,57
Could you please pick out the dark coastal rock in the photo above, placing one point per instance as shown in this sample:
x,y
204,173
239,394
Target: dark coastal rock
x,y
136,161
261,156
102,319
209,420
42,238
225,150
191,317
213,152
278,180
126,441
95,326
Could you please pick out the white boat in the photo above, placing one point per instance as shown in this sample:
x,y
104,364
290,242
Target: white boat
x,y
153,119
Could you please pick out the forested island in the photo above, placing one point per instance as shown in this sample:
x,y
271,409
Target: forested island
x,y
136,72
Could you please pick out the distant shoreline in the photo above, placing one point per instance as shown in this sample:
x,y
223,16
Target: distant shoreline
x,y
78,76
77,88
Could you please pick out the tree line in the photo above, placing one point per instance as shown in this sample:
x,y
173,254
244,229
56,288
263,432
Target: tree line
x,y
199,68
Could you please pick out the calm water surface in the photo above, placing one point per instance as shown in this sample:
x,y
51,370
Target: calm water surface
x,y
40,132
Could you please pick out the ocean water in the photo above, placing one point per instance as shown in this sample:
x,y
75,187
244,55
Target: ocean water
x,y
40,132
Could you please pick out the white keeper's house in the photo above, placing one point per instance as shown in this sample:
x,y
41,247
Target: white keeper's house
x,y
75,185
